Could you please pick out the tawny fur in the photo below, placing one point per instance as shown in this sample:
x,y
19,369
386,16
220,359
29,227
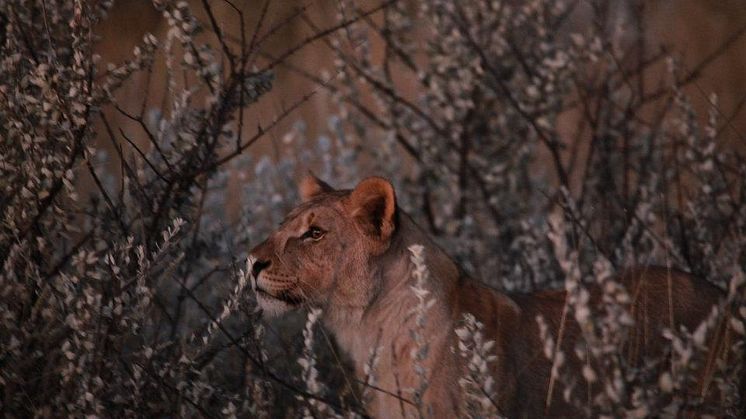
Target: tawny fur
x,y
359,272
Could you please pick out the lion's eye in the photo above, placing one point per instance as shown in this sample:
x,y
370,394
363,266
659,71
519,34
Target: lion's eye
x,y
313,233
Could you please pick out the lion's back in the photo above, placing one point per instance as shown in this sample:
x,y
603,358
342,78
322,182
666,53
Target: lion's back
x,y
659,298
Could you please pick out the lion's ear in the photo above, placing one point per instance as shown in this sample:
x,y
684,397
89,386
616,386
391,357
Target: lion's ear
x,y
373,204
311,186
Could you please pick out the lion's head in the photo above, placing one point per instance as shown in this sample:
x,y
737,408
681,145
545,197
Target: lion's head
x,y
320,254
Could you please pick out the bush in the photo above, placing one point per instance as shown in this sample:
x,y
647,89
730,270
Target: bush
x,y
124,289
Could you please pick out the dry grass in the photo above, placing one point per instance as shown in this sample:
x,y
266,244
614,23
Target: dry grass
x,y
121,288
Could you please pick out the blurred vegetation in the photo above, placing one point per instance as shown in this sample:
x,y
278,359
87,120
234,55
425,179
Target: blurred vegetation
x,y
130,191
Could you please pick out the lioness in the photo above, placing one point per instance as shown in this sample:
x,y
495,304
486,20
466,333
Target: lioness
x,y
346,252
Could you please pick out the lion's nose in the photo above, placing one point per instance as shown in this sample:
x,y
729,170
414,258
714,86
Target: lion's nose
x,y
258,266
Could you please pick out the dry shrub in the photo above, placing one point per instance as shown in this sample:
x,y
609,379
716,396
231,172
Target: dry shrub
x,y
123,284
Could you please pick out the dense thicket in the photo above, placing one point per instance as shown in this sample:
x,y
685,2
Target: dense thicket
x,y
534,148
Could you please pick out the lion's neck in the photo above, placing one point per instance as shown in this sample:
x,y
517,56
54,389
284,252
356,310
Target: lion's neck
x,y
386,324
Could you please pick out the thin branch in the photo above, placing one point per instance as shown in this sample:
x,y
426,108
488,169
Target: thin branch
x,y
324,33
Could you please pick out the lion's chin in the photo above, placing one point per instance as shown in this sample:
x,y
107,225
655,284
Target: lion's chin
x,y
272,307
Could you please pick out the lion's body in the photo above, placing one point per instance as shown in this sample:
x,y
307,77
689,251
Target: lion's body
x,y
365,290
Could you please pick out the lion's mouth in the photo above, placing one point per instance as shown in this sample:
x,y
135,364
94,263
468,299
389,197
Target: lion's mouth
x,y
284,296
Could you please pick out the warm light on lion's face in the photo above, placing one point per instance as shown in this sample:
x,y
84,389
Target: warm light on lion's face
x,y
298,263
320,254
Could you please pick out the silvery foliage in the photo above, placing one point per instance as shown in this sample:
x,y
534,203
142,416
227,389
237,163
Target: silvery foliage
x,y
122,280
508,113
126,297
477,384
421,349
481,131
